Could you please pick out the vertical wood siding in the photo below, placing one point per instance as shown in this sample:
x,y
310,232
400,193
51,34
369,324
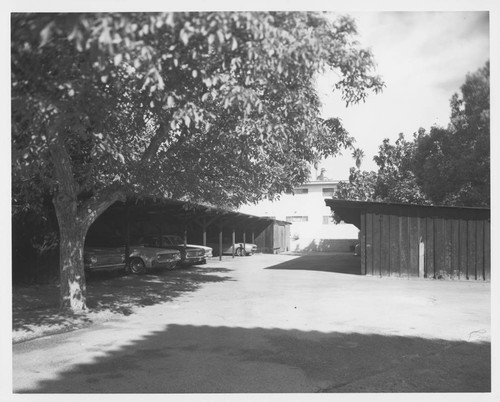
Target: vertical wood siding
x,y
385,249
487,251
454,247
429,248
363,243
414,242
281,238
395,269
369,244
273,237
404,250
462,248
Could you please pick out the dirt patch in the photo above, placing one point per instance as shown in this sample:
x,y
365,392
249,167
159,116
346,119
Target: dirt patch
x,y
35,309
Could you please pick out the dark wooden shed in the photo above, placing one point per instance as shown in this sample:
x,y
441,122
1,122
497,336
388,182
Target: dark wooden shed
x,y
275,238
406,240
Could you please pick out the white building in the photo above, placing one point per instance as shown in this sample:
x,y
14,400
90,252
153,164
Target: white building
x,y
312,227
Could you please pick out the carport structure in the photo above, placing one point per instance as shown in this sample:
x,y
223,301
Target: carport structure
x,y
407,240
196,223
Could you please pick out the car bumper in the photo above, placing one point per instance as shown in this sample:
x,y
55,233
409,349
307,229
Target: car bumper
x,y
165,265
107,267
193,260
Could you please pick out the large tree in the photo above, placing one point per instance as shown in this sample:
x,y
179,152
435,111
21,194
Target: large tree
x,y
452,165
446,166
212,107
393,182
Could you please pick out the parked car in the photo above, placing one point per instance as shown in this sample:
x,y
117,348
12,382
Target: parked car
x,y
240,249
190,254
144,257
104,258
141,258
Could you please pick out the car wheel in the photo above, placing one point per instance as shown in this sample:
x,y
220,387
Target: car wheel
x,y
136,266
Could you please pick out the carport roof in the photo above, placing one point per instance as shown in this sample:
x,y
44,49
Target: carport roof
x,y
183,210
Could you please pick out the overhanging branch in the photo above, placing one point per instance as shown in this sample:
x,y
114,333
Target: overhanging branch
x,y
160,136
92,208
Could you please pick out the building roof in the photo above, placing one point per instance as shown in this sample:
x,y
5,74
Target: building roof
x,y
350,211
181,210
363,204
319,183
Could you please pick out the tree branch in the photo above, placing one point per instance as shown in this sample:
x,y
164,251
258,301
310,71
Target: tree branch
x,y
92,208
160,135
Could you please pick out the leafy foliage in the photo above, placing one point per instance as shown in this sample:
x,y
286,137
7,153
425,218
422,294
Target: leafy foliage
x,y
396,177
447,166
361,186
147,100
453,166
394,181
212,107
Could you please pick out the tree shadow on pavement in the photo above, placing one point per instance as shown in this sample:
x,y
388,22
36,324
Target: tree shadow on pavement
x,y
205,359
341,263
116,293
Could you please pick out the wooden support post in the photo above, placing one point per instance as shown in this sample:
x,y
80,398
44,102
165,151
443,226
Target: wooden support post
x,y
234,240
220,243
127,234
264,240
204,231
185,230
244,244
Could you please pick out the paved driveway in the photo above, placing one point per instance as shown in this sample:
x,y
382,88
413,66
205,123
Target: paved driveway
x,y
277,323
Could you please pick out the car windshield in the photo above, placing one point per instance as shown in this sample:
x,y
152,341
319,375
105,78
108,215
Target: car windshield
x,y
172,240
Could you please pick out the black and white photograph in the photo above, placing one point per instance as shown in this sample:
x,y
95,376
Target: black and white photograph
x,y
276,200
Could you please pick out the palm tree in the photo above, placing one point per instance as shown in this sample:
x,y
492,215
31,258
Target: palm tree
x,y
358,156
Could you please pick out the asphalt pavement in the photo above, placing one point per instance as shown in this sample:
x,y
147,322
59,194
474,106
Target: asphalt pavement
x,y
278,324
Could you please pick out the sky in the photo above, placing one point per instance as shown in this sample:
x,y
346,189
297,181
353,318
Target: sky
x,y
423,58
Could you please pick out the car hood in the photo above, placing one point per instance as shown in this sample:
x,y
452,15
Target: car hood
x,y
104,250
189,246
206,248
170,249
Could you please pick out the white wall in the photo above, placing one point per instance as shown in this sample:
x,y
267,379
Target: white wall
x,y
311,205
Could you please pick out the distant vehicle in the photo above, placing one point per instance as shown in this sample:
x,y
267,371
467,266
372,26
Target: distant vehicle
x,y
141,259
190,254
240,249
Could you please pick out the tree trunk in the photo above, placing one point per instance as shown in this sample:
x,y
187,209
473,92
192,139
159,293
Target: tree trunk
x,y
71,230
72,271
74,223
